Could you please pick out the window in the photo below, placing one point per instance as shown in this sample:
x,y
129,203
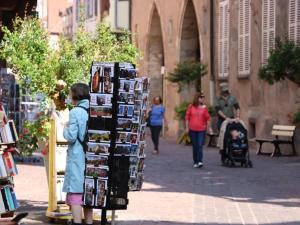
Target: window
x,y
244,37
89,8
223,38
268,28
294,20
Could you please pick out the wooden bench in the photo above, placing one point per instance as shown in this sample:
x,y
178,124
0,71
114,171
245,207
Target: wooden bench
x,y
283,135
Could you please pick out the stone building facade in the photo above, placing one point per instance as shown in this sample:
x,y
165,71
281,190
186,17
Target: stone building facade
x,y
233,38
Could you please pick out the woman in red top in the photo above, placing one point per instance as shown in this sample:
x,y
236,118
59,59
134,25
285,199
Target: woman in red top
x,y
197,120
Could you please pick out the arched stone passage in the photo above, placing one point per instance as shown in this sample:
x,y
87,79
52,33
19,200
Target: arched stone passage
x,y
155,55
189,43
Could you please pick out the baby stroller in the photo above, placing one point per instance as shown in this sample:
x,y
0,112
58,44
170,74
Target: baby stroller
x,y
236,147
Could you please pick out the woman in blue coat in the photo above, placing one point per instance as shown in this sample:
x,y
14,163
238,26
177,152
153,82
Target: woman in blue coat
x,y
74,174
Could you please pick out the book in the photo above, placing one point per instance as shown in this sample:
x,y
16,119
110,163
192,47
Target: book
x,y
8,164
13,195
13,131
3,172
4,199
14,166
10,201
2,207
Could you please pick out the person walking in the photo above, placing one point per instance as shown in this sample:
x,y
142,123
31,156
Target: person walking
x,y
227,106
74,132
157,119
197,120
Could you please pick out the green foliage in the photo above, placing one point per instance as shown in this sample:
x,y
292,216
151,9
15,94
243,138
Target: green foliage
x,y
296,118
212,111
181,110
33,133
283,63
188,72
40,68
28,52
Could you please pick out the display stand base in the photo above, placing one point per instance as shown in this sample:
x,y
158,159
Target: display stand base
x,y
63,213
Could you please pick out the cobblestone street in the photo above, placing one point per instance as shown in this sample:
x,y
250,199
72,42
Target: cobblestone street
x,y
174,193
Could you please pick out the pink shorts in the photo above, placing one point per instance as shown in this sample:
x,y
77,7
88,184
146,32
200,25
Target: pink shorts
x,y
74,199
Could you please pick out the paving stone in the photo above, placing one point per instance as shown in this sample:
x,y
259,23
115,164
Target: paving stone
x,y
175,193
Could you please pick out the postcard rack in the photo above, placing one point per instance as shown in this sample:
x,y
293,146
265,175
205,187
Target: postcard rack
x,y
116,136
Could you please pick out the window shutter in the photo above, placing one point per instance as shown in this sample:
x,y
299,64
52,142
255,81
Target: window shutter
x,y
244,37
96,7
223,38
294,20
268,28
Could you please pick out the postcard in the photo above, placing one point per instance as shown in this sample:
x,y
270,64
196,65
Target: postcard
x,y
133,171
136,117
126,98
124,124
126,86
95,79
122,137
132,138
122,149
134,148
141,165
128,73
101,193
96,161
99,136
107,80
138,84
101,99
89,192
100,172
98,148
126,110
142,148
146,84
135,126
101,111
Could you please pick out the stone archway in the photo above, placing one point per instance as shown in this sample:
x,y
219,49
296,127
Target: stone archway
x,y
189,43
155,55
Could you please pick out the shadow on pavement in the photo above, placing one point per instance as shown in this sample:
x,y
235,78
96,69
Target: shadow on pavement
x,y
272,180
32,206
180,223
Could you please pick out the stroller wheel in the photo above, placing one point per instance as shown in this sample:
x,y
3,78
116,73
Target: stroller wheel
x,y
232,164
250,164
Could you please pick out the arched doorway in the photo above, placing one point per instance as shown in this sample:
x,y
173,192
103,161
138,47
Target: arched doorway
x,y
189,44
155,55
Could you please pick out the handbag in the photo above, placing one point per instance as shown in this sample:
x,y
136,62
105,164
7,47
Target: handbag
x,y
148,119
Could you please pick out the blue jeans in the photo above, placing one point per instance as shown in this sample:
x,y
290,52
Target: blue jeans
x,y
198,139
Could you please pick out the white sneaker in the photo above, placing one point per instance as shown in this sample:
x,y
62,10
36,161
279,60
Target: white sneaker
x,y
200,164
196,165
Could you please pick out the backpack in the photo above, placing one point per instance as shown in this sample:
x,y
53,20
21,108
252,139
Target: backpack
x,y
85,138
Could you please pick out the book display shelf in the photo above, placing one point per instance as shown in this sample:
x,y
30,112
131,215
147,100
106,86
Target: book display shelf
x,y
8,169
10,97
